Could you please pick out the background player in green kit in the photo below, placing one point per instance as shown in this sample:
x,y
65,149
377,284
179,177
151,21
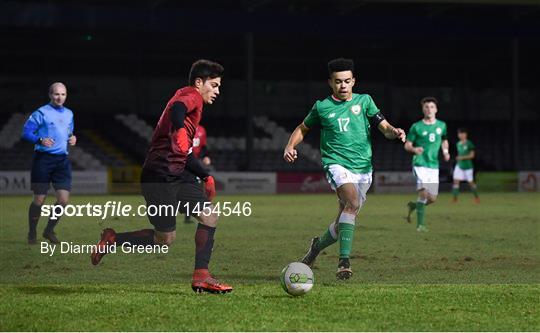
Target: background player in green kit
x,y
463,171
424,140
345,146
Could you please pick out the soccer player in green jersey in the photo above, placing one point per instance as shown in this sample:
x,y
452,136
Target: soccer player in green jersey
x,y
463,170
345,147
424,140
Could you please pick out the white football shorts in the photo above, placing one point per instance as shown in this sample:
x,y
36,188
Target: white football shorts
x,y
427,178
338,176
461,174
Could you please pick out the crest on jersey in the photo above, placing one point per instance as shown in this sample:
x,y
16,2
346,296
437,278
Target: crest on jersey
x,y
356,109
438,130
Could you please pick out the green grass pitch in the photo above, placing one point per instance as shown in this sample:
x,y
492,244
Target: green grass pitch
x,y
477,269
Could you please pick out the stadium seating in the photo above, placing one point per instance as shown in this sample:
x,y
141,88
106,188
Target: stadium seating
x,y
136,124
12,129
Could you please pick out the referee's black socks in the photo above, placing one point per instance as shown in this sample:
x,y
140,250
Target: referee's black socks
x,y
51,224
34,212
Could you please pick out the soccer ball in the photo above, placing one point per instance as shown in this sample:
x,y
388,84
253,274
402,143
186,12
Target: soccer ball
x,y
297,279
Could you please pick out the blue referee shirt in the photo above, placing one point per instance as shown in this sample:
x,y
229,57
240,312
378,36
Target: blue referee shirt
x,y
49,122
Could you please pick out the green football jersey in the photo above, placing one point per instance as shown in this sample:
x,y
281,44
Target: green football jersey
x,y
345,131
462,150
430,138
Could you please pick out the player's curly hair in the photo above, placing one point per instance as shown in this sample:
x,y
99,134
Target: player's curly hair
x,y
429,99
205,69
340,65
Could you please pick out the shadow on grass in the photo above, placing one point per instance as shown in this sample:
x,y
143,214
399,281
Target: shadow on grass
x,y
284,296
106,290
245,278
250,277
58,290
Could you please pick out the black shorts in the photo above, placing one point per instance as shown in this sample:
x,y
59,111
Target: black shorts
x,y
182,193
50,168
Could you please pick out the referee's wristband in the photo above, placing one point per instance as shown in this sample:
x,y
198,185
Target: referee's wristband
x,y
40,141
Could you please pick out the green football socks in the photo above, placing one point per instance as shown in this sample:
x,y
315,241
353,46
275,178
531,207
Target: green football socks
x,y
328,238
346,234
474,191
420,213
455,191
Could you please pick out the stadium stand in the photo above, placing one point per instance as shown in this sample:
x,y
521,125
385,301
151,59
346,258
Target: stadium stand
x,y
110,140
492,138
117,137
136,124
18,157
11,131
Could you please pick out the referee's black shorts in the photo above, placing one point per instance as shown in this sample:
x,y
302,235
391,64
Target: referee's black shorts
x,y
50,168
184,193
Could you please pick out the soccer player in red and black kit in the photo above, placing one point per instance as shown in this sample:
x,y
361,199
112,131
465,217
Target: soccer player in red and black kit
x,y
165,182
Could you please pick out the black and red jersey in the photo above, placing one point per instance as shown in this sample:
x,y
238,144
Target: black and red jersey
x,y
164,154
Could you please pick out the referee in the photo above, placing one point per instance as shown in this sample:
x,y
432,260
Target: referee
x,y
50,129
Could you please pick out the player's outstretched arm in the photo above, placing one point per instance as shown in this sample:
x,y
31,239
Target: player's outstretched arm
x,y
446,153
290,154
390,132
412,149
469,156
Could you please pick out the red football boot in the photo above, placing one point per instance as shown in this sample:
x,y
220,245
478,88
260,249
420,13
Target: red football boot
x,y
204,282
108,238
